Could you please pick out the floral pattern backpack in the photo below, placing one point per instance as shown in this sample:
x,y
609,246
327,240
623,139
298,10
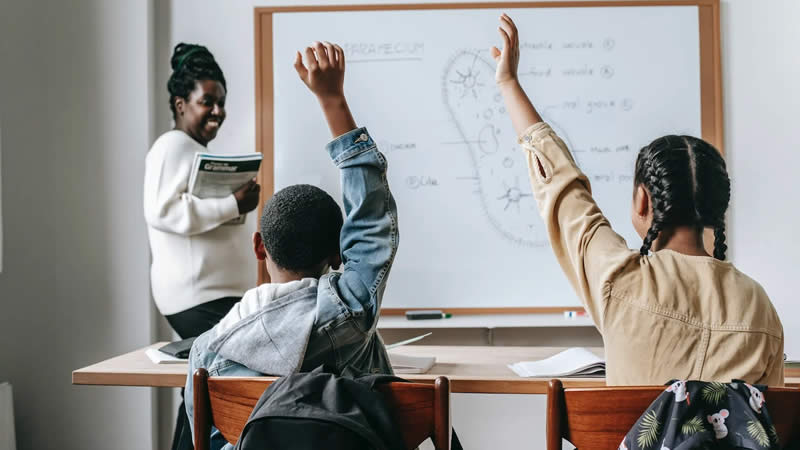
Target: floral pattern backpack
x,y
691,415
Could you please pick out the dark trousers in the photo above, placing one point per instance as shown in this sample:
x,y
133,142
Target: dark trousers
x,y
192,323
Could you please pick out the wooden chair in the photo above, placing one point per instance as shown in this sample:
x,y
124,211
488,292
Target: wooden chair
x,y
599,418
421,410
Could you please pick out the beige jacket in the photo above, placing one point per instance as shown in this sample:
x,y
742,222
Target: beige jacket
x,y
664,316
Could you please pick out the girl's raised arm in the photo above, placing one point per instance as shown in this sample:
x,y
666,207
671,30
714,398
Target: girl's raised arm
x,y
586,247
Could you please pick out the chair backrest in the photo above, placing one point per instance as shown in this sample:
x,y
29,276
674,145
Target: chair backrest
x,y
599,418
421,410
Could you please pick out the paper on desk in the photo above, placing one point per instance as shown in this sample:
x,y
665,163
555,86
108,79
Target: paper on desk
x,y
411,364
573,362
408,341
159,357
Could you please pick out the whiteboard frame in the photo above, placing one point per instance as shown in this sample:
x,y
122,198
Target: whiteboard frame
x,y
710,90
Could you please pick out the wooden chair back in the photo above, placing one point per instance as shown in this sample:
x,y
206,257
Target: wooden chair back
x,y
421,410
599,418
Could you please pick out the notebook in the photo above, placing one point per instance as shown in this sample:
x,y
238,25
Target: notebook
x,y
573,362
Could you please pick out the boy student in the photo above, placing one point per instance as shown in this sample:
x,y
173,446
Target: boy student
x,y
677,312
306,316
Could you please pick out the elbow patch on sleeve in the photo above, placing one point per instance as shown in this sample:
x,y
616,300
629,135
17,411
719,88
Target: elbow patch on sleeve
x,y
540,165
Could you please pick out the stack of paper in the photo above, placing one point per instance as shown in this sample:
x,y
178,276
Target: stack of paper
x,y
411,364
159,357
574,362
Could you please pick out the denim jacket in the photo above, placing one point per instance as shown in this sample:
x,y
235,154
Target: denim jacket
x,y
333,320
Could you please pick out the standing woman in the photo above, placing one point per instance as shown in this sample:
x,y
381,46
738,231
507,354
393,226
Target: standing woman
x,y
200,266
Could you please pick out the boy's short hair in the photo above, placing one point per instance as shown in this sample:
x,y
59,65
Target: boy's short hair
x,y
300,227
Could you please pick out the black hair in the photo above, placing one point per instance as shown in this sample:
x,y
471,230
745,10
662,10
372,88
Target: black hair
x,y
688,184
300,227
191,63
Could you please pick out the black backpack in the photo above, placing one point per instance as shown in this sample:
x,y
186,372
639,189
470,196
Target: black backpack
x,y
320,409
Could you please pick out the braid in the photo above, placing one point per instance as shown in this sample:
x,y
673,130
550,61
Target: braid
x,y
655,193
713,191
654,177
651,236
719,241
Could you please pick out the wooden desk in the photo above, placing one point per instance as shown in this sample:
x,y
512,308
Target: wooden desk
x,y
470,370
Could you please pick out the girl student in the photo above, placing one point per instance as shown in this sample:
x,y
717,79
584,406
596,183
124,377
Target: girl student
x,y
669,310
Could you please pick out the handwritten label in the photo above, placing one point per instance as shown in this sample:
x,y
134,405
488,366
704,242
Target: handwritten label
x,y
540,45
386,50
583,71
416,182
397,146
577,44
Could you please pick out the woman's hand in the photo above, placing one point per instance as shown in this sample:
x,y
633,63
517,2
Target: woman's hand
x,y
507,59
247,196
324,73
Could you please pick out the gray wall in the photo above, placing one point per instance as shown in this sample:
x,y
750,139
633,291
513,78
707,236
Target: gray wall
x,y
74,107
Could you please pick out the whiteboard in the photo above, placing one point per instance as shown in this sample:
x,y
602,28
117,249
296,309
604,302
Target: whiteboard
x,y
608,79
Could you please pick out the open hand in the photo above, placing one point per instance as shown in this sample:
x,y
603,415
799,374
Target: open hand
x,y
507,59
323,71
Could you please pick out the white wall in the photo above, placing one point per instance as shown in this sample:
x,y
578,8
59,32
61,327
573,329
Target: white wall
x,y
761,71
74,104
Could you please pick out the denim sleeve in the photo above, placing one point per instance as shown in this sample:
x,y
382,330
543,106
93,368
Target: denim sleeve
x,y
369,235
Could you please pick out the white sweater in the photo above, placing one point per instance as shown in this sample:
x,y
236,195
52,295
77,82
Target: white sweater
x,y
195,260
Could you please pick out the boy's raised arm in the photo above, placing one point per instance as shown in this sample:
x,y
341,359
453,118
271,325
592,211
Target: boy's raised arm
x,y
369,236
324,76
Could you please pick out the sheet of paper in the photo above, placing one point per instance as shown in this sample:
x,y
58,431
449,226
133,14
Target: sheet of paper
x,y
408,341
162,358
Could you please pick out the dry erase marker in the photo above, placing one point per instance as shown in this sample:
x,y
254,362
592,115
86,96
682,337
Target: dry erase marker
x,y
422,315
574,314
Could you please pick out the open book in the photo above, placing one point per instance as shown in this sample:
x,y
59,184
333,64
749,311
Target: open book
x,y
573,362
220,175
410,364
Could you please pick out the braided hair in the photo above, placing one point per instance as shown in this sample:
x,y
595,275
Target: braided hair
x,y
191,63
688,185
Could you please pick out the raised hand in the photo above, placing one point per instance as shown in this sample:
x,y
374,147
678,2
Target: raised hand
x,y
507,59
323,71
